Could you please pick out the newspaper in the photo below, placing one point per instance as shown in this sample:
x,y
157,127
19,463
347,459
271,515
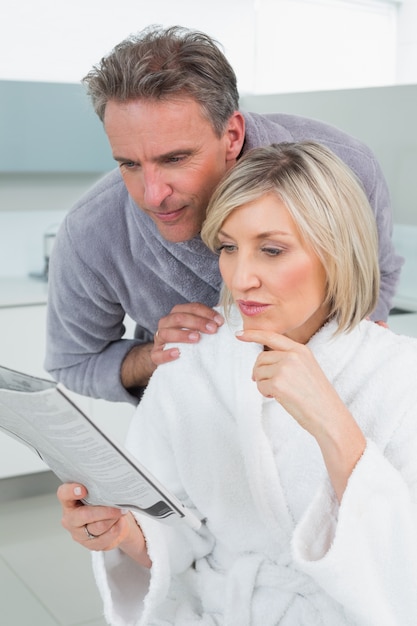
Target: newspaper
x,y
39,414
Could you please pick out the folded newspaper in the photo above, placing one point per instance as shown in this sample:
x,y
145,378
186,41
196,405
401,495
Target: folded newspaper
x,y
39,414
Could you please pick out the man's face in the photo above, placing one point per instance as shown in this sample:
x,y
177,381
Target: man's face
x,y
171,159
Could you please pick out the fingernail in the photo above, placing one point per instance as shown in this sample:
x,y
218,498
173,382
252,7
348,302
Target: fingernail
x,y
77,491
239,333
194,336
219,320
124,511
174,353
211,327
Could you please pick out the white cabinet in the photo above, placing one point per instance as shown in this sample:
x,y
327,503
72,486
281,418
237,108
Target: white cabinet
x,y
22,347
21,344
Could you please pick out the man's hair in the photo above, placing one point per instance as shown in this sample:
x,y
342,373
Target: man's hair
x,y
330,209
164,64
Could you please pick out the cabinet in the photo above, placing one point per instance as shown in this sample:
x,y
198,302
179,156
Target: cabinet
x,y
50,127
22,347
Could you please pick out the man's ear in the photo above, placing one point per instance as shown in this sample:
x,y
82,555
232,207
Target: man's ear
x,y
235,136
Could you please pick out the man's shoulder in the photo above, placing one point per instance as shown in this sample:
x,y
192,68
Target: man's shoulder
x,y
278,127
283,127
107,190
103,213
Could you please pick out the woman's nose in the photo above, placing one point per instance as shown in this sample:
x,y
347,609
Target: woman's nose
x,y
244,275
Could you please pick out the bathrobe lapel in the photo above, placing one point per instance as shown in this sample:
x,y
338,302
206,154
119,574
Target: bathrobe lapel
x,y
262,474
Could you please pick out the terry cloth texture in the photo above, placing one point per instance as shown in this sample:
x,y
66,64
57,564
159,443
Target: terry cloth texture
x,y
277,547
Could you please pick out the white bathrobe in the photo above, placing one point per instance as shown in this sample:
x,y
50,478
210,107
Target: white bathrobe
x,y
276,548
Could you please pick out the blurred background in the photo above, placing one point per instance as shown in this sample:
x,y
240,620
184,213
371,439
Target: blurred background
x,y
351,63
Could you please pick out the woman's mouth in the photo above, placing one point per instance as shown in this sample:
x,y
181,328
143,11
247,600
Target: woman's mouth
x,y
250,308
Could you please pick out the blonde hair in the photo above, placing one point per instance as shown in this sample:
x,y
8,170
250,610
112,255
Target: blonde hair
x,y
329,207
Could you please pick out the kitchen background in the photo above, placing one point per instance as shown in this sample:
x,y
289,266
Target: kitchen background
x,y
46,127
352,63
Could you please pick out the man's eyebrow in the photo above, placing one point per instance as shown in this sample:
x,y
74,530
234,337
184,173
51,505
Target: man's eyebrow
x,y
158,159
173,154
121,159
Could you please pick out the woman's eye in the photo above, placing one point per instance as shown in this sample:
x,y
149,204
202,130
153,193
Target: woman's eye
x,y
272,251
226,247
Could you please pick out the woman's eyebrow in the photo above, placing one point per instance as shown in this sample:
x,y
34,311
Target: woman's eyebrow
x,y
265,235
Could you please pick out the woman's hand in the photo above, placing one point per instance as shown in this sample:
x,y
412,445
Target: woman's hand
x,y
100,528
289,372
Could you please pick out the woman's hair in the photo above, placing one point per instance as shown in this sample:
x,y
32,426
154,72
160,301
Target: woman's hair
x,y
330,209
165,63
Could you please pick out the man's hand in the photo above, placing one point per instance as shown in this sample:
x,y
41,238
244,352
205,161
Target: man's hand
x,y
183,324
100,528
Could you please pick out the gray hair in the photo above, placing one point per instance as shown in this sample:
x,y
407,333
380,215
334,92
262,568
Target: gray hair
x,y
165,63
329,207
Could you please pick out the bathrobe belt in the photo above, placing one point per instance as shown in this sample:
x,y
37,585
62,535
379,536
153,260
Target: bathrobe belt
x,y
249,573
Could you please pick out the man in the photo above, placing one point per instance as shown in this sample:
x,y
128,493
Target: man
x,y
169,104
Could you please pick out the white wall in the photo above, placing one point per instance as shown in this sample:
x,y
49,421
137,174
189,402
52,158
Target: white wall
x,y
406,70
274,45
57,40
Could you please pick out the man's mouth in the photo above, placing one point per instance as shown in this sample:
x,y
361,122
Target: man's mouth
x,y
169,216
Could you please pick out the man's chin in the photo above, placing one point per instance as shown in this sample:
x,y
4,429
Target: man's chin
x,y
177,233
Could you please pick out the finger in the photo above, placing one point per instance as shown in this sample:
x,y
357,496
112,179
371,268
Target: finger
x,y
200,310
111,538
274,341
71,494
189,331
94,529
177,335
160,356
189,320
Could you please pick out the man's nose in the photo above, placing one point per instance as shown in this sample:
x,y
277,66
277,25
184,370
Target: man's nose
x,y
156,190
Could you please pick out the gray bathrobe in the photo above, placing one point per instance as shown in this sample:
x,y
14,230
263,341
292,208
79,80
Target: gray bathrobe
x,y
109,259
277,548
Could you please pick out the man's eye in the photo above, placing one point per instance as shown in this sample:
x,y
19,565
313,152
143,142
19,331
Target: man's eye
x,y
175,159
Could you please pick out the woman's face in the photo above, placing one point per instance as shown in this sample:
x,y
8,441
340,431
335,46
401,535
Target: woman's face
x,y
276,279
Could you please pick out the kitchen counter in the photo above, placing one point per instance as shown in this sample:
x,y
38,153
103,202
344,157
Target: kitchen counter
x,y
22,291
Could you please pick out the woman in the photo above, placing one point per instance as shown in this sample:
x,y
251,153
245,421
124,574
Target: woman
x,y
292,432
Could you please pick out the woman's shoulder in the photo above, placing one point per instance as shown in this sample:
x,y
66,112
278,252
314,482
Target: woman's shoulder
x,y
386,340
214,357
